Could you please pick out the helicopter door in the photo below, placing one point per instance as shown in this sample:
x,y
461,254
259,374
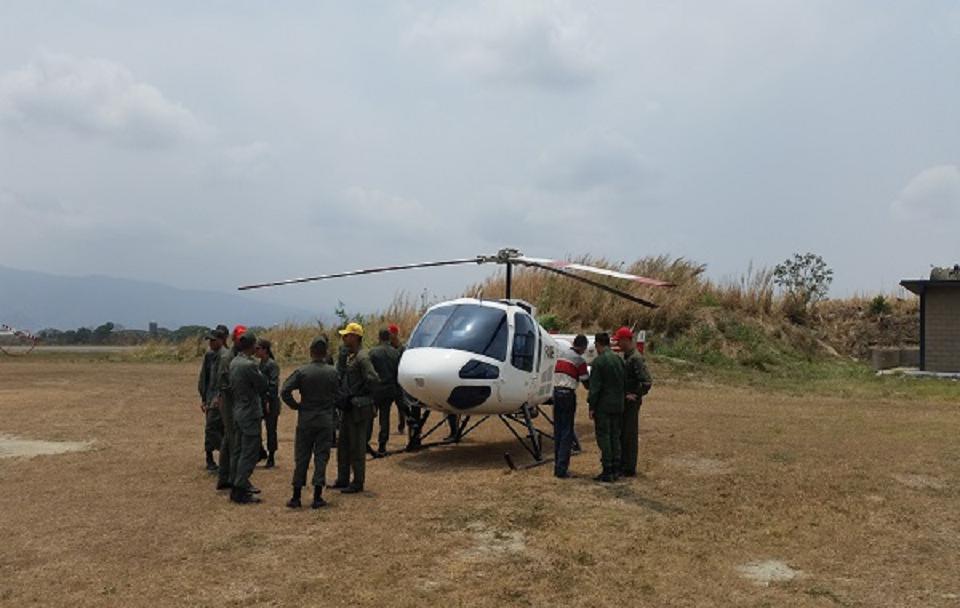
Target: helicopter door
x,y
525,346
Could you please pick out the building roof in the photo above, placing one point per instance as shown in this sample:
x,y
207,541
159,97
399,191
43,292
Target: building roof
x,y
919,286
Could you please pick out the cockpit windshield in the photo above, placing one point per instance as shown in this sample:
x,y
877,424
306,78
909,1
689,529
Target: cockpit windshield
x,y
470,327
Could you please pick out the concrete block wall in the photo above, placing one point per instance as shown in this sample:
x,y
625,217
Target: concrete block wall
x,y
942,330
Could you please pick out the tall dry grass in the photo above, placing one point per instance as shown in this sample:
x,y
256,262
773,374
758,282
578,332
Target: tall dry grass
x,y
739,319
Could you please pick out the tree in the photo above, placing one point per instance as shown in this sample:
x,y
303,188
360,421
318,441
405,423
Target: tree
x,y
806,279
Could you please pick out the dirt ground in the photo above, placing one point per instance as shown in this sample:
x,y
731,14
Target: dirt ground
x,y
745,499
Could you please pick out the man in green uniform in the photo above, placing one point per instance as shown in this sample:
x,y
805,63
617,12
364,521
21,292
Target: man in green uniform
x,y
386,361
605,400
637,383
318,385
228,447
358,382
207,386
402,412
247,385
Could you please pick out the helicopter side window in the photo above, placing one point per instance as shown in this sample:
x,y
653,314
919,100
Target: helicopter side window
x,y
524,343
477,329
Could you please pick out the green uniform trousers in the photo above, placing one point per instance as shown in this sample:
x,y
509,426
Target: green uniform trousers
x,y
212,429
228,446
381,410
607,429
313,440
629,436
270,425
248,454
352,445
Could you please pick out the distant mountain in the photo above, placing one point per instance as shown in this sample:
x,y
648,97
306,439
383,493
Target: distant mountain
x,y
35,300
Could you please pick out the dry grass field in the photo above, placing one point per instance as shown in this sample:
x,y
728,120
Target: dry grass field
x,y
858,497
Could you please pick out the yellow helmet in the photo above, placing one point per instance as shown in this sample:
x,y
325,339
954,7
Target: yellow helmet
x,y
352,328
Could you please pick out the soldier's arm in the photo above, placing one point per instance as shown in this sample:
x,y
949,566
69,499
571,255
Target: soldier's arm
x,y
273,379
370,375
596,383
202,381
291,384
257,380
646,380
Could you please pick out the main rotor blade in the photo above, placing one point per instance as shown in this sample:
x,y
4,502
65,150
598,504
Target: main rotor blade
x,y
352,273
561,265
529,262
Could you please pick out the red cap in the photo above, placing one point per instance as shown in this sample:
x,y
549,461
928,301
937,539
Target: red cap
x,y
393,329
238,331
623,333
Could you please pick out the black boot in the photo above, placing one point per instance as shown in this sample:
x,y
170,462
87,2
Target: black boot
x,y
382,450
211,463
318,500
352,489
605,476
270,461
294,502
242,497
263,454
339,485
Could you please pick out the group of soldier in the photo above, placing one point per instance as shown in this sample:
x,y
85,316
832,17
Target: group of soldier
x,y
616,386
240,394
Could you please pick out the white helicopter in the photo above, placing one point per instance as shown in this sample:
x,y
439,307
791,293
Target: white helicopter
x,y
22,339
478,357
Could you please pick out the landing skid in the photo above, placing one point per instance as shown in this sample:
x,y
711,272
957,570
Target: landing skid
x,y
520,424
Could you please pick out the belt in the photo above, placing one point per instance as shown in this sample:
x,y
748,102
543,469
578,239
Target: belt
x,y
564,389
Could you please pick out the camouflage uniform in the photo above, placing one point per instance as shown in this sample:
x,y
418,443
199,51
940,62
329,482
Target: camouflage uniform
x,y
271,401
247,385
359,379
228,447
318,385
207,386
606,402
637,381
386,361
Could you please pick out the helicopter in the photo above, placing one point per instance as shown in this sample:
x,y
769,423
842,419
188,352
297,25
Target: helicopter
x,y
478,357
20,338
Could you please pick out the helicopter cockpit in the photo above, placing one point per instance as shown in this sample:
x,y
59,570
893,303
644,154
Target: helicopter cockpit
x,y
464,353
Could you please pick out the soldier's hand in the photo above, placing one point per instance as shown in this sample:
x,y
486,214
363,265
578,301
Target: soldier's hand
x,y
203,407
631,396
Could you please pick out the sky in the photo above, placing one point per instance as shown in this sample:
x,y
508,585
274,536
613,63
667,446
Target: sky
x,y
209,145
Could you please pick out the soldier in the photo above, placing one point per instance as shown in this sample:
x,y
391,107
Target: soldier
x,y
228,447
358,382
318,386
637,383
402,412
606,406
386,361
247,385
570,371
207,385
271,400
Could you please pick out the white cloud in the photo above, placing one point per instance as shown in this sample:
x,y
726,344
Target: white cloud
x,y
373,207
934,194
94,97
539,44
596,162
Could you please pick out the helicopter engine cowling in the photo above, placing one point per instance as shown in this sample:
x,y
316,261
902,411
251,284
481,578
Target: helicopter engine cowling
x,y
453,381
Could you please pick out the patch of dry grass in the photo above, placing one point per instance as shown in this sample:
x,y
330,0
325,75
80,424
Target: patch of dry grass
x,y
859,494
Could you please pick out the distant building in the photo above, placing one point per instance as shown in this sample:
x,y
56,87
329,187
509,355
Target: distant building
x,y
153,328
939,319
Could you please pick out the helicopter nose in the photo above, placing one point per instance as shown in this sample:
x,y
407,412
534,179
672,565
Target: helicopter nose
x,y
432,376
